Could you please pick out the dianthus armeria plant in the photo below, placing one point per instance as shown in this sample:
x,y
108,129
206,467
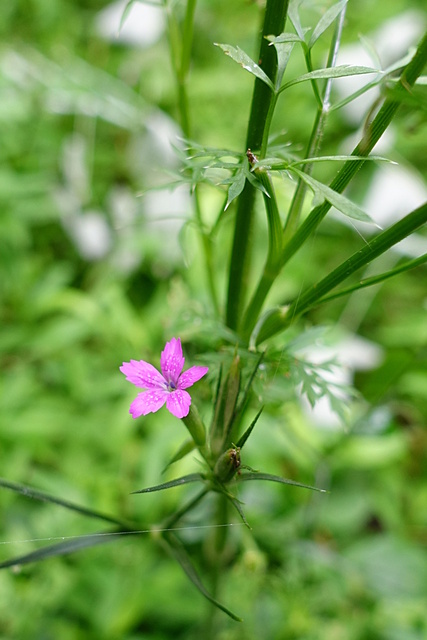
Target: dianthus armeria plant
x,y
258,332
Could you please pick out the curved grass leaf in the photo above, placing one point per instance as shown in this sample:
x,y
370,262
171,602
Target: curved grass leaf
x,y
271,478
369,282
340,202
187,447
45,497
242,58
63,548
279,319
192,477
177,550
341,71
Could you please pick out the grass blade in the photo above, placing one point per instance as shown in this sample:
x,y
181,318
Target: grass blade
x,y
192,477
45,497
64,548
177,550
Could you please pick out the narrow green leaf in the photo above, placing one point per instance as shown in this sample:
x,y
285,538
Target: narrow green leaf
x,y
126,12
340,202
248,431
63,548
192,477
369,282
326,20
284,38
247,390
283,51
178,551
184,449
337,159
256,182
340,71
271,478
45,497
293,15
242,58
376,246
237,506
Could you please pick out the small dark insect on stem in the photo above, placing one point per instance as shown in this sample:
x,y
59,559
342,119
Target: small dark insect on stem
x,y
251,157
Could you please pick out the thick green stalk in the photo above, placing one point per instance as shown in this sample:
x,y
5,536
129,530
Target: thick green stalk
x,y
274,22
281,319
272,265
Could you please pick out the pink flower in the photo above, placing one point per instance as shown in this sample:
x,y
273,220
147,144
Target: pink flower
x,y
167,386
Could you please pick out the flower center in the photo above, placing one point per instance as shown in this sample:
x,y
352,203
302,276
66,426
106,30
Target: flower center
x,y
171,386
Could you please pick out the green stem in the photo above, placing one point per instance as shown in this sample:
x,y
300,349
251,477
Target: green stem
x,y
369,282
181,57
274,22
315,137
272,265
188,506
215,560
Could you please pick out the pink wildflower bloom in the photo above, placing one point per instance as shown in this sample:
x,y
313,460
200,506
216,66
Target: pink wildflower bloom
x,y
168,386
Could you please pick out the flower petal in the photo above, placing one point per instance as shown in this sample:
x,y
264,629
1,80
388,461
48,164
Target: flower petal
x,y
148,402
172,361
178,403
192,375
143,374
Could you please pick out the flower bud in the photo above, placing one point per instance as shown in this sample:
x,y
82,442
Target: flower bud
x,y
227,465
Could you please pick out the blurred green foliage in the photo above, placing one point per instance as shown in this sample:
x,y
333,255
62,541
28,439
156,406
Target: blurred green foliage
x,y
73,116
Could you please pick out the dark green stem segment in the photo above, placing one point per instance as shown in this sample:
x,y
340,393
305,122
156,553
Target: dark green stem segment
x,y
274,23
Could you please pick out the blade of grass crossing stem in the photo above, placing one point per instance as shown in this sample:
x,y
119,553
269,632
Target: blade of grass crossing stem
x,y
177,550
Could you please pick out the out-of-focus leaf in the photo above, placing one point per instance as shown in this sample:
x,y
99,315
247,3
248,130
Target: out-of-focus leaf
x,y
184,449
177,550
63,548
45,497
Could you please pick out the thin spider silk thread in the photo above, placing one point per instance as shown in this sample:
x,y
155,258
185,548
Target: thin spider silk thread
x,y
122,533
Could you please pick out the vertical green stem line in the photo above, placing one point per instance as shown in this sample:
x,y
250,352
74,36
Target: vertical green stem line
x,y
274,22
181,46
216,561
